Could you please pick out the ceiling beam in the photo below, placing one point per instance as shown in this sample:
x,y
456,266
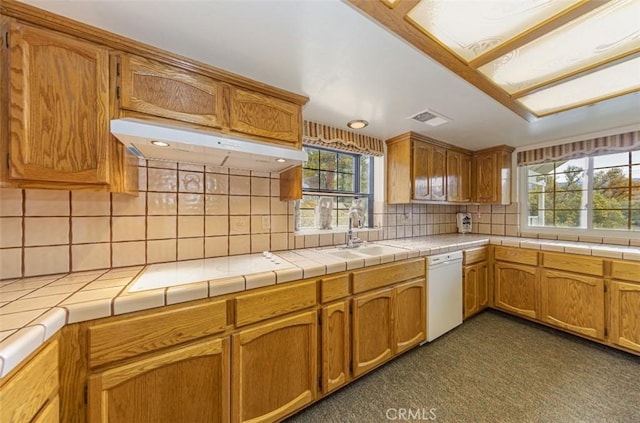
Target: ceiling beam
x,y
543,28
394,20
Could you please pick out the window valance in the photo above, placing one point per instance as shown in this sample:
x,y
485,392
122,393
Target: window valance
x,y
339,139
592,147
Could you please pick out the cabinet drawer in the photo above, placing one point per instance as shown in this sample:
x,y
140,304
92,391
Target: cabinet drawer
x,y
334,288
272,302
388,274
573,263
517,255
28,389
130,337
474,256
625,270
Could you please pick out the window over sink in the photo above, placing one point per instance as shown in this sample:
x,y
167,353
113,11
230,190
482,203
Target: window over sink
x,y
335,185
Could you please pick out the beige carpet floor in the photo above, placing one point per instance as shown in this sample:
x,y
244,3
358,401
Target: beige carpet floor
x,y
493,368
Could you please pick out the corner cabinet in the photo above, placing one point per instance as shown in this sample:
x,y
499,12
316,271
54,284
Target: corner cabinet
x,y
516,284
624,303
274,368
475,281
492,175
190,383
57,109
418,169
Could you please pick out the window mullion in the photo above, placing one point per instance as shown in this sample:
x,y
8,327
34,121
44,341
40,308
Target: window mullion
x,y
590,205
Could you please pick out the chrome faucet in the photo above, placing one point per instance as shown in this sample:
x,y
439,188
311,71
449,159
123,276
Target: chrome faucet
x,y
352,242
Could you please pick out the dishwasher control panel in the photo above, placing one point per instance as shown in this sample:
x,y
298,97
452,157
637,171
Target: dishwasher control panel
x,y
442,258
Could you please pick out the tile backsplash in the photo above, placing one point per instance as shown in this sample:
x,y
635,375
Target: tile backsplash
x,y
182,212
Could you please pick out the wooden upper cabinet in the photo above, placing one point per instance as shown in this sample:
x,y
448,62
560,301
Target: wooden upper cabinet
x,y
400,171
492,175
58,92
458,177
438,180
264,116
162,90
421,170
573,302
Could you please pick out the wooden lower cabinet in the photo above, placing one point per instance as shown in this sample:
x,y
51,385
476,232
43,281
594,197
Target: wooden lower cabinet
x,y
50,413
516,288
410,315
190,383
372,335
573,302
274,368
32,386
625,315
476,288
335,345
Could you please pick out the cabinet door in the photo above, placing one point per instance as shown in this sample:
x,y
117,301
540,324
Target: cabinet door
x,y
188,384
335,345
458,177
438,175
258,114
275,368
411,315
50,413
487,183
625,315
421,170
470,290
516,289
162,90
59,99
573,302
372,334
482,285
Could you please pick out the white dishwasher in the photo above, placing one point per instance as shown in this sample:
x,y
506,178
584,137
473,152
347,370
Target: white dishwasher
x,y
444,293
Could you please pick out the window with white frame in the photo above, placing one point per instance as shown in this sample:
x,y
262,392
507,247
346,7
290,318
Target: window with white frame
x,y
599,193
336,181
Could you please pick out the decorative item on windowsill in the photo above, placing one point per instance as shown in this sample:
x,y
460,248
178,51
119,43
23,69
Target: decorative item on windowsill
x,y
356,213
324,212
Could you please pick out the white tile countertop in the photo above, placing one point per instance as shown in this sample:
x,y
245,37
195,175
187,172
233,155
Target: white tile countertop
x,y
33,309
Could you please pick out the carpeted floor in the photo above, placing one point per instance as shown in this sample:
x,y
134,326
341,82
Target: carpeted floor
x,y
493,368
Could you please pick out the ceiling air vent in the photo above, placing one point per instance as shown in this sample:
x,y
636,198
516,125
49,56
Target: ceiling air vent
x,y
430,118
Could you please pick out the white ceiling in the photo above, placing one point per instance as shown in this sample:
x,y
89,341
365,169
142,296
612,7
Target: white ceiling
x,y
349,67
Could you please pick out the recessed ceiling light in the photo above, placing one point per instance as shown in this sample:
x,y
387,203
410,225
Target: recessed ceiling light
x,y
357,124
281,160
160,143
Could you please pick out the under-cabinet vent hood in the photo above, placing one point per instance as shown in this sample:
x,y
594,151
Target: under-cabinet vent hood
x,y
155,141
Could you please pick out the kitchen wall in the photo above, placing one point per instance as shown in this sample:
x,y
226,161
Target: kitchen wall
x,y
182,212
493,219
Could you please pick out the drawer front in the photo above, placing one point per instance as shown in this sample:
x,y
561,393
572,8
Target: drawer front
x,y
625,270
334,288
272,302
573,263
517,255
388,274
29,388
126,338
474,256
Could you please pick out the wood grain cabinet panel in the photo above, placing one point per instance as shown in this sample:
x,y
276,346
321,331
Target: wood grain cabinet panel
x,y
50,413
387,274
58,108
187,384
162,90
372,337
429,171
475,288
258,114
336,348
274,368
625,314
573,302
492,175
24,393
516,289
410,315
458,177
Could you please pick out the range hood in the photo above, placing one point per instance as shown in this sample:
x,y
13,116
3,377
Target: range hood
x,y
155,141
